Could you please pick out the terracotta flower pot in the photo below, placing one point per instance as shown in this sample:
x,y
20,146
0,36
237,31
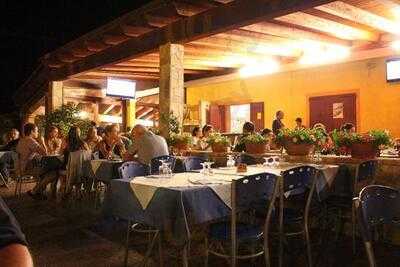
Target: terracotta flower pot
x,y
293,149
181,146
219,148
255,148
364,151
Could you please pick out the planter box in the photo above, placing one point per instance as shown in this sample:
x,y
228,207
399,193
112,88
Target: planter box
x,y
364,151
298,149
219,148
181,146
256,148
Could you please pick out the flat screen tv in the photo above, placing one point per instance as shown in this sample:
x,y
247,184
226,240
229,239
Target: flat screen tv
x,y
393,70
121,88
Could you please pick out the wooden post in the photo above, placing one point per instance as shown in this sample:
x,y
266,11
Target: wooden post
x,y
130,110
54,96
172,92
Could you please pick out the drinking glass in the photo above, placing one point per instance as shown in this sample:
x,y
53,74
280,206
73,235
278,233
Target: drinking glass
x,y
230,163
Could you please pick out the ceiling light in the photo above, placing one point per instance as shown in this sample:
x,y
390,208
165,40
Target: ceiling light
x,y
259,68
396,45
315,55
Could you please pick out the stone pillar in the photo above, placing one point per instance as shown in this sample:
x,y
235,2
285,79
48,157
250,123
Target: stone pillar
x,y
130,111
171,83
54,96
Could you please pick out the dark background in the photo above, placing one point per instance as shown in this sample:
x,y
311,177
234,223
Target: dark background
x,y
30,29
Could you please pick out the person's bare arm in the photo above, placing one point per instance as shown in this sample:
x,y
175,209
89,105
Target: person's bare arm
x,y
15,255
42,148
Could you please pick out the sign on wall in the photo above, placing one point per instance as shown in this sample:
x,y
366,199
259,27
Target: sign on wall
x,y
338,110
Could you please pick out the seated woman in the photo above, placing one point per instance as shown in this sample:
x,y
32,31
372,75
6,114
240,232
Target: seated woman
x,y
92,139
196,135
206,131
74,143
12,138
348,127
53,141
112,143
248,128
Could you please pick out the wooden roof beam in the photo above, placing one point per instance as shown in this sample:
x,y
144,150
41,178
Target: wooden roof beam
x,y
333,28
294,32
358,15
226,17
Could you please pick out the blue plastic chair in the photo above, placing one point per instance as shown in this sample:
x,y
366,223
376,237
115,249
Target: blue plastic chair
x,y
376,205
247,193
131,169
364,175
156,163
193,163
298,187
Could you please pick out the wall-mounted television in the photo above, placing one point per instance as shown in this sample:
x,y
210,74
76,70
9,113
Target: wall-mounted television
x,y
393,70
121,88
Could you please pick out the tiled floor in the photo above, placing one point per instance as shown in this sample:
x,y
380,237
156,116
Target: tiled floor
x,y
61,235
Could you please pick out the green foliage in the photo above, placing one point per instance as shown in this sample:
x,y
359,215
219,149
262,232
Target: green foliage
x,y
217,138
254,139
300,136
175,139
63,118
174,126
377,137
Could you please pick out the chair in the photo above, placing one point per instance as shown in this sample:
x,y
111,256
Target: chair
x,y
131,169
246,194
375,206
298,190
75,170
364,175
156,163
193,163
21,178
246,159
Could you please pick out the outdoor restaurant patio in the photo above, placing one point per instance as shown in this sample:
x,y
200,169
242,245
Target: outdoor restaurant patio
x,y
219,133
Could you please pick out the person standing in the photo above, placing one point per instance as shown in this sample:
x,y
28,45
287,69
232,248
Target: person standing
x,y
277,124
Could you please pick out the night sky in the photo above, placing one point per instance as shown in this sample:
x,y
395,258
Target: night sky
x,y
30,29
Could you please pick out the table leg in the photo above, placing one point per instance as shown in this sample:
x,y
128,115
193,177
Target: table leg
x,y
185,260
281,196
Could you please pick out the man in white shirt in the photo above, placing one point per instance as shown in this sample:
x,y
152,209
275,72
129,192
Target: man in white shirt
x,y
146,145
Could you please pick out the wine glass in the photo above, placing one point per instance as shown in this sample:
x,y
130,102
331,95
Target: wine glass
x,y
230,163
209,169
204,169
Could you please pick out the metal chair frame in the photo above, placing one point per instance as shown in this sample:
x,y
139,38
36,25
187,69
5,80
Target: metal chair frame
x,y
305,231
233,256
357,202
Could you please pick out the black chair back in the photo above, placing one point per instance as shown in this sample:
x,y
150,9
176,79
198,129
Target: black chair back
x,y
156,163
132,169
193,163
298,180
365,175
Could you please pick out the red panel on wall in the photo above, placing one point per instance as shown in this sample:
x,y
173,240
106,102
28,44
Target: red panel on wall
x,y
257,115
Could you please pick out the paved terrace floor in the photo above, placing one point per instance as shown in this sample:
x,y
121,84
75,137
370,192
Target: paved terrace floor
x,y
76,236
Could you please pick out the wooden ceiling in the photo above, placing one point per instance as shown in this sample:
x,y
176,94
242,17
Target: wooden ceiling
x,y
357,25
220,36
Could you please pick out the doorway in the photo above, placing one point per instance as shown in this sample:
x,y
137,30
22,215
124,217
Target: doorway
x,y
333,111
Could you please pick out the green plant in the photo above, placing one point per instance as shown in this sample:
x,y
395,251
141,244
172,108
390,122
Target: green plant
x,y
217,138
172,121
175,139
254,139
299,136
376,137
63,118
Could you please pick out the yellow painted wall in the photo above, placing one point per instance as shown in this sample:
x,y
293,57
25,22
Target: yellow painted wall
x,y
378,102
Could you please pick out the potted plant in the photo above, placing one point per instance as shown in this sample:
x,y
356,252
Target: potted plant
x,y
180,141
219,143
369,145
298,142
255,143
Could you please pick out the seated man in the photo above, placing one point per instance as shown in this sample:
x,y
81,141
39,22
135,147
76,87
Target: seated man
x,y
13,250
146,145
248,128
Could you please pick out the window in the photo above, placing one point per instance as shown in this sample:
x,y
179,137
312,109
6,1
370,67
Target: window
x,y
239,115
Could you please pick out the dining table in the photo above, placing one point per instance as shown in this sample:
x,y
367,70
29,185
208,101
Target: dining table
x,y
176,202
103,170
